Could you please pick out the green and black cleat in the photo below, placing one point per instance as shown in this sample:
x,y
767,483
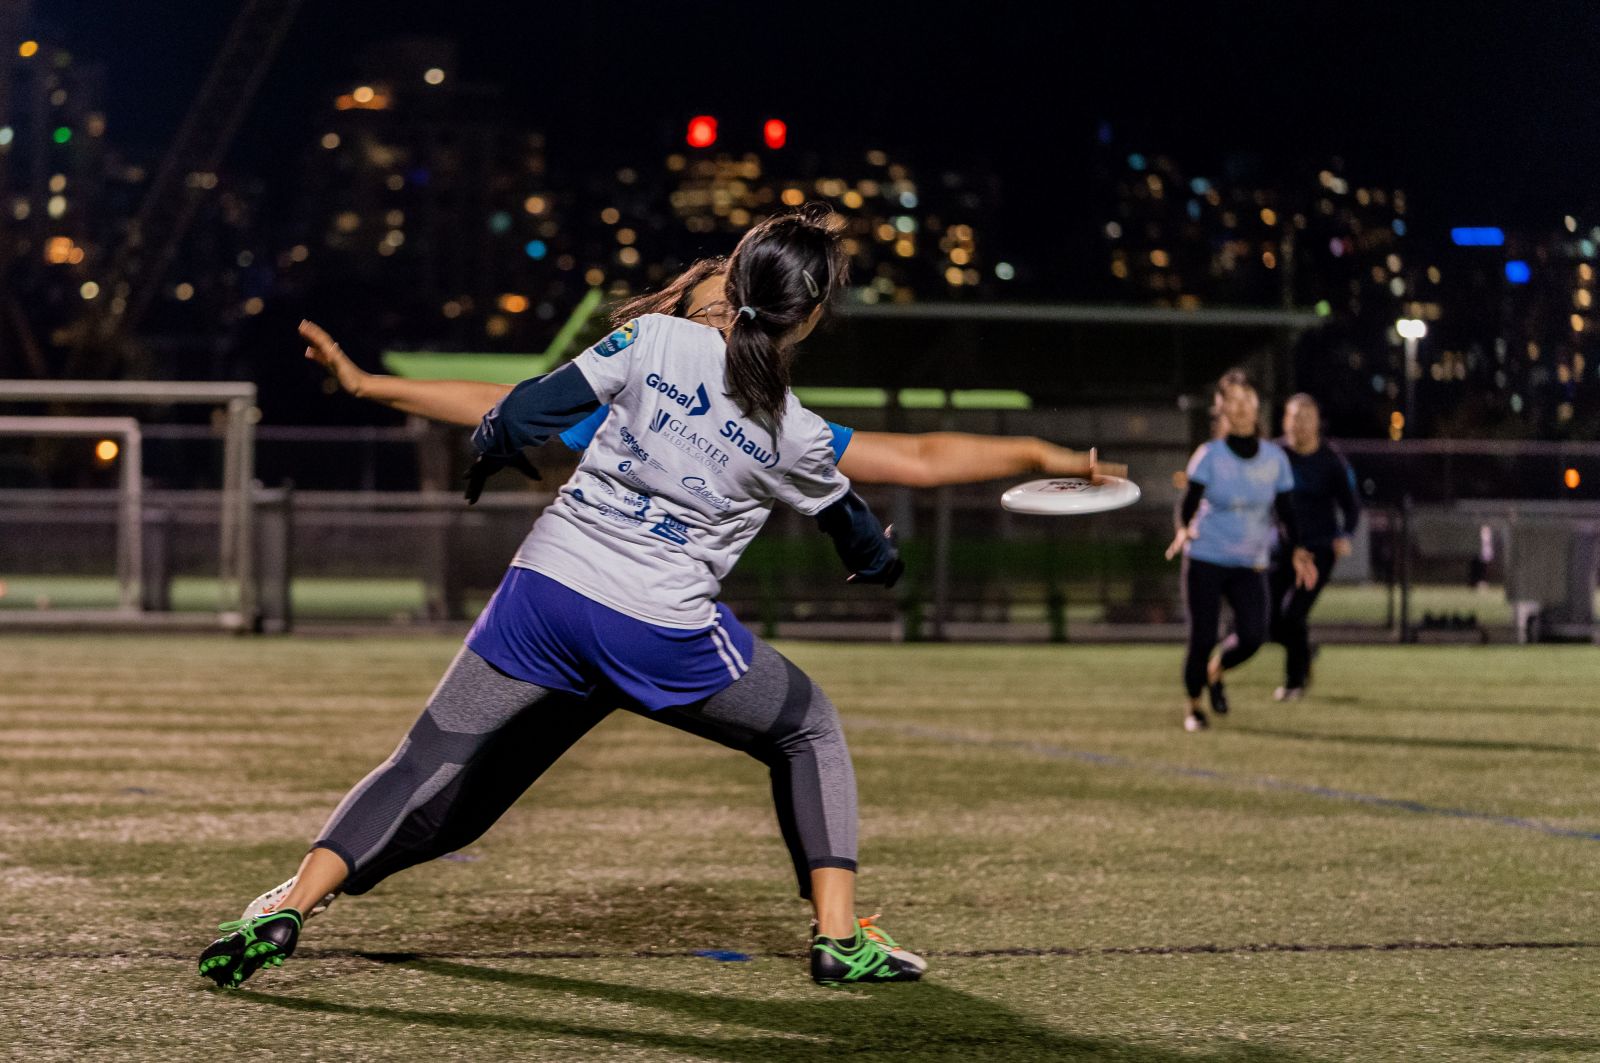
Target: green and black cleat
x,y
247,945
868,958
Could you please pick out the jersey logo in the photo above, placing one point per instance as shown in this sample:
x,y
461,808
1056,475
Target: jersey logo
x,y
674,531
619,340
734,433
695,402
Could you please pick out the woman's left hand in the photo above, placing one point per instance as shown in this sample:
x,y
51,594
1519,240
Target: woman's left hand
x,y
1305,568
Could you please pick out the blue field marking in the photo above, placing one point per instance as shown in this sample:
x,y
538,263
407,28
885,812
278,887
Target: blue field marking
x,y
1265,782
723,955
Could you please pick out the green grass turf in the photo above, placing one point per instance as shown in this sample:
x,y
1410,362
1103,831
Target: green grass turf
x,y
324,597
151,786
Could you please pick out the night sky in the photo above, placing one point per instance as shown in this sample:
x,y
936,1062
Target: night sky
x,y
1484,116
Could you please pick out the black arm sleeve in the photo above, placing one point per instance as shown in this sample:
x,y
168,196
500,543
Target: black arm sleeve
x,y
863,545
1190,505
534,411
1345,495
1284,505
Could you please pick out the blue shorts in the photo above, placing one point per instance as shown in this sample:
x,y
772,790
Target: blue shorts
x,y
541,631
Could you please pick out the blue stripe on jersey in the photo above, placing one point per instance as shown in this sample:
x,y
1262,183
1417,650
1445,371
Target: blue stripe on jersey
x,y
580,435
841,440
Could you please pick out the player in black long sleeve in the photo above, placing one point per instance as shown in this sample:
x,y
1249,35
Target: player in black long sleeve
x,y
1326,510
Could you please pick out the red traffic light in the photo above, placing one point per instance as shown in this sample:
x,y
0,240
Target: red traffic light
x,y
702,131
776,133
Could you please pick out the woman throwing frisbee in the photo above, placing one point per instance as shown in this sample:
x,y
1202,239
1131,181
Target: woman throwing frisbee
x,y
613,593
492,785
1239,487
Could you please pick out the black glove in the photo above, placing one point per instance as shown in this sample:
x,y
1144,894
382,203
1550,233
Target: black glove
x,y
887,576
889,572
487,466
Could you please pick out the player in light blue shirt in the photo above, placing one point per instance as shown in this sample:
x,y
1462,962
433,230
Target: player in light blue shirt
x,y
1238,495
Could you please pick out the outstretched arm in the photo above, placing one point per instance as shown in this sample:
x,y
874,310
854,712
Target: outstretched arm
x,y
933,459
461,402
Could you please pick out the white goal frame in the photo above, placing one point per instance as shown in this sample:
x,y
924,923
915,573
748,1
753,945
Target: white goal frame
x,y
238,607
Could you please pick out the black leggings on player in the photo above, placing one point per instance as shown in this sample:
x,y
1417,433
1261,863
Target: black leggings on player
x,y
485,737
1291,607
1204,587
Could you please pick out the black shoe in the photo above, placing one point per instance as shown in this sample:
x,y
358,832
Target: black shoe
x,y
1219,698
247,945
1195,721
862,960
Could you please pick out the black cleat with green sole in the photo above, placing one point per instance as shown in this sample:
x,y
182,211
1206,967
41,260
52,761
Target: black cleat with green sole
x,y
247,945
863,960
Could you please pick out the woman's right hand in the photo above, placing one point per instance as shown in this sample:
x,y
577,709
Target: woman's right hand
x,y
1178,542
325,352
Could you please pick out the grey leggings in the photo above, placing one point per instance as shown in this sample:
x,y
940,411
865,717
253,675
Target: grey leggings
x,y
485,737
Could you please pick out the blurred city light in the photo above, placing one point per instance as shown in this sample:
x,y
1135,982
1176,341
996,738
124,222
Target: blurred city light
x,y
107,450
28,49
433,76
1411,328
1571,479
702,131
775,133
1486,236
1518,272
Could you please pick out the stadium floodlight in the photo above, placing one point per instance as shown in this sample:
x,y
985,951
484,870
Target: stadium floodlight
x,y
1411,328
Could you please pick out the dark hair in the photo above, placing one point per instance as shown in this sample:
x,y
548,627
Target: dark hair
x,y
672,300
783,269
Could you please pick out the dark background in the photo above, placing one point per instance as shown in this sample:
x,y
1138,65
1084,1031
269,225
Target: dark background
x,y
1483,112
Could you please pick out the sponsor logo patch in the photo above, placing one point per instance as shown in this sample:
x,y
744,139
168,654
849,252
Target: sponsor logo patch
x,y
696,486
682,435
674,531
618,341
695,402
631,441
734,433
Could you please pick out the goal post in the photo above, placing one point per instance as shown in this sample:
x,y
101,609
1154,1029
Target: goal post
x,y
237,598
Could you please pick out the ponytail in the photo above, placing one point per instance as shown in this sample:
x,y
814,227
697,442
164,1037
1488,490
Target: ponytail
x,y
782,270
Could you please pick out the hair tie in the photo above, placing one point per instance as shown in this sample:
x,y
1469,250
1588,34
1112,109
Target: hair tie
x,y
748,311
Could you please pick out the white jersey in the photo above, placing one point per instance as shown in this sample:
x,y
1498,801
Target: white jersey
x,y
677,480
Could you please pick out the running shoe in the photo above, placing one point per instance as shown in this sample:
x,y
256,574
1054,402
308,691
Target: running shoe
x,y
869,926
1196,721
1288,693
1219,697
868,958
247,945
270,900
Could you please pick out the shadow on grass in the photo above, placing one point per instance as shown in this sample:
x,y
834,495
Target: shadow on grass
x,y
926,1021
1527,1043
1468,744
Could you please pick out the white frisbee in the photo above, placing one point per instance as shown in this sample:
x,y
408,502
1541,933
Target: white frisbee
x,y
1070,495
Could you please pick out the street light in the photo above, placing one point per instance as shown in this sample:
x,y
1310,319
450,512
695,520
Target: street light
x,y
1411,330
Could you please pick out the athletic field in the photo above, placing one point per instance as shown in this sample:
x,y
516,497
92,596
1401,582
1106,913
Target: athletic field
x,y
1404,867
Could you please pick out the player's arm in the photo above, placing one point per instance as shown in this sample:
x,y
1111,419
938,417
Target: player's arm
x,y
462,402
528,416
933,459
1349,504
1303,561
865,546
1188,506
